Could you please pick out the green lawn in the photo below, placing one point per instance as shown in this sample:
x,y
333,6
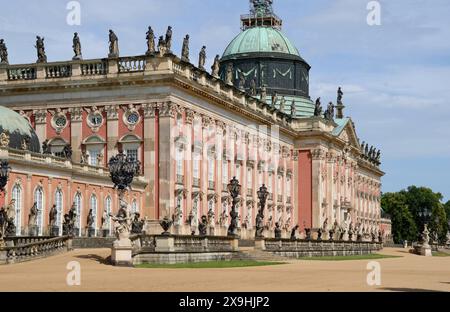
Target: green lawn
x,y
441,254
208,265
344,258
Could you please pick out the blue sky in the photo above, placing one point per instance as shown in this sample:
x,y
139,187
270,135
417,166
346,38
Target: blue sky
x,y
395,76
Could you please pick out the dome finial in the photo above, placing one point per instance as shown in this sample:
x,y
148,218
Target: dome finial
x,y
261,14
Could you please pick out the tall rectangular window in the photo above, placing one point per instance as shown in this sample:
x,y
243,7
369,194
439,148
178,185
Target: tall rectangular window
x,y
132,153
211,170
93,157
225,179
249,178
196,167
179,162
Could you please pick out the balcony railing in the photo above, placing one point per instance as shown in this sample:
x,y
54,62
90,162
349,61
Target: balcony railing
x,y
132,64
94,68
22,73
58,71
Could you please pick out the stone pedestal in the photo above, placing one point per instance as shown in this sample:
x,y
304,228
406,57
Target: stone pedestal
x,y
235,244
121,253
91,232
54,231
425,250
105,233
260,244
33,231
165,244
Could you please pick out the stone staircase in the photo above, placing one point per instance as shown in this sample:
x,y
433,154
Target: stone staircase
x,y
249,253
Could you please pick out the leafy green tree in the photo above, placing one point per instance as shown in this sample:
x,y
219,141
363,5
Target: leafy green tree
x,y
403,225
423,198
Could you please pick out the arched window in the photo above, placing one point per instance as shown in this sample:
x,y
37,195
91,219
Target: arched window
x,y
108,209
39,199
78,201
59,209
93,206
56,147
17,196
134,207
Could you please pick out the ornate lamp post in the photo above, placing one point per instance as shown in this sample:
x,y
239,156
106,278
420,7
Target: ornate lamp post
x,y
4,176
263,194
122,169
235,190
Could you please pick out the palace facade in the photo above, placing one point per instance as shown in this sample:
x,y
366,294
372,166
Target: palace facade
x,y
193,132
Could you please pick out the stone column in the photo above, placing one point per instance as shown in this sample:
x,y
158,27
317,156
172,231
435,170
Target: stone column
x,y
150,166
206,122
188,155
76,132
40,118
166,149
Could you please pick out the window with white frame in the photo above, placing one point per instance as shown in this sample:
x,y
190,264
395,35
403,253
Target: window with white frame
x,y
59,209
250,178
269,183
39,200
108,209
93,157
17,196
78,201
133,153
288,186
134,207
131,146
238,172
196,167
211,169
280,185
260,178
225,179
93,206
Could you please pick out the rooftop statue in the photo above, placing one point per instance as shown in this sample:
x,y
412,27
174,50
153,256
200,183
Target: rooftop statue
x,y
169,39
76,47
215,68
241,81
283,104
185,50
318,109
40,47
253,87
3,52
339,97
113,45
150,42
293,109
162,47
202,58
229,75
263,94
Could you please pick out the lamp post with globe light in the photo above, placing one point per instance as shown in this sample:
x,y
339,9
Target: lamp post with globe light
x,y
5,169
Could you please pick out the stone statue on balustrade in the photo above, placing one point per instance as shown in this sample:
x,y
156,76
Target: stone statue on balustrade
x,y
122,223
319,234
277,231
151,49
263,94
52,216
166,224
77,47
32,221
46,148
318,108
350,232
374,236
137,226
162,47
293,110
67,152
259,225
294,232
3,225
215,68
9,219
242,81
185,50
3,52
177,217
211,218
283,104
168,39
100,160
91,223
203,226
202,58
84,158
253,87
113,45
40,47
229,75
307,234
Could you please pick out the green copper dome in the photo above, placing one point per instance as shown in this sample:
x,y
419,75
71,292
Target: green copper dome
x,y
261,40
18,129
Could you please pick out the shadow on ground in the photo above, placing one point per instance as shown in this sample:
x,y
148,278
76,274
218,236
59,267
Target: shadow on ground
x,y
96,258
408,289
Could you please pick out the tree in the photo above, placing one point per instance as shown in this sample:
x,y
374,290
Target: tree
x,y
420,198
403,225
